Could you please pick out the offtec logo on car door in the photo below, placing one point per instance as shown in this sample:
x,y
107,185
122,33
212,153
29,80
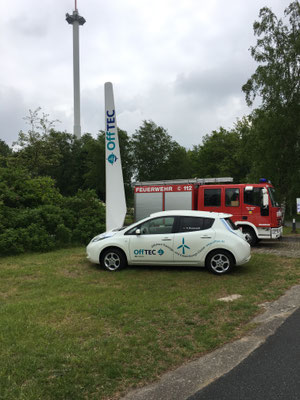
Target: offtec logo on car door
x,y
142,252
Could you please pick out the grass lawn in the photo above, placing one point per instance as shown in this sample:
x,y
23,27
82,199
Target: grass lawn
x,y
69,330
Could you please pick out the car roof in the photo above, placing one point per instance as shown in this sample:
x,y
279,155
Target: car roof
x,y
190,213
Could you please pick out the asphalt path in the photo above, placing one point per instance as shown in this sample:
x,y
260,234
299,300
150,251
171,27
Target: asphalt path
x,y
271,372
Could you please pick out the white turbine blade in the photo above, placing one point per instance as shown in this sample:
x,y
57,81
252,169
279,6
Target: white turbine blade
x,y
115,193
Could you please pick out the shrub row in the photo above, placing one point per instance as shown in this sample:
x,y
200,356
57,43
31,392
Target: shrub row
x,y
34,216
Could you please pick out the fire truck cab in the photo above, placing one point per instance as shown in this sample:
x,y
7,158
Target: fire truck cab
x,y
253,206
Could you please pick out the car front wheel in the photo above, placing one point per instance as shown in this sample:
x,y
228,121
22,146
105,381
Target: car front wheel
x,y
219,262
112,259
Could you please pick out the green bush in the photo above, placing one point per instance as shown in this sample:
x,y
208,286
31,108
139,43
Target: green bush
x,y
34,216
63,235
39,239
12,241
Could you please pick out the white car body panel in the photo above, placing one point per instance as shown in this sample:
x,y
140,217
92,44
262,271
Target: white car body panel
x,y
178,248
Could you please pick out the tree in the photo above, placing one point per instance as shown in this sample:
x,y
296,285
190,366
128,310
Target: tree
x,y
179,163
276,124
33,151
276,79
34,216
219,155
94,176
5,150
155,155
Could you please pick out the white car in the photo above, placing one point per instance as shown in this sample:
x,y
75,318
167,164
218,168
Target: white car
x,y
192,238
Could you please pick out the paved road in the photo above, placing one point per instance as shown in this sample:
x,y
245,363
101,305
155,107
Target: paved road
x,y
271,372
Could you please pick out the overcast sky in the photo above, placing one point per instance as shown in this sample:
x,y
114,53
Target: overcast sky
x,y
178,63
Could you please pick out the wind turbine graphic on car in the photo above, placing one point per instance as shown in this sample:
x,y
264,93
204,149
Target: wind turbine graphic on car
x,y
183,246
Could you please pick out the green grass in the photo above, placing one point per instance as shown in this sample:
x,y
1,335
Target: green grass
x,y
287,230
69,330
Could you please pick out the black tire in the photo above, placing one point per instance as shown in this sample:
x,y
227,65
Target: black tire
x,y
113,259
219,262
250,236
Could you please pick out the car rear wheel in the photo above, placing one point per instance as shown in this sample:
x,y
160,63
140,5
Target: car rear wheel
x,y
219,262
112,259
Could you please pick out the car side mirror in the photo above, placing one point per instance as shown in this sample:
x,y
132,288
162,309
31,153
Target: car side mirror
x,y
138,232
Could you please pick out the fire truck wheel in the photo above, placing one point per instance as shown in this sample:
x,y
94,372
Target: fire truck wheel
x,y
250,235
112,259
219,262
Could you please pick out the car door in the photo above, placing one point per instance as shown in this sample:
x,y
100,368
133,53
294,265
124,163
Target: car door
x,y
194,236
153,243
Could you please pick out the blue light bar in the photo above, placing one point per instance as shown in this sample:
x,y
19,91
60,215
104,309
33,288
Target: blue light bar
x,y
263,180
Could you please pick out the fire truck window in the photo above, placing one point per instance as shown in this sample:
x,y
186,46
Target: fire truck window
x,y
273,197
192,224
212,197
253,197
232,197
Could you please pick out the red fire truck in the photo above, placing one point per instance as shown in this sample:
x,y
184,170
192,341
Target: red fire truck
x,y
253,207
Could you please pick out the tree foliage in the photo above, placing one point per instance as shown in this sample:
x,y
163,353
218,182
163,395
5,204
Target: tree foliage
x,y
220,155
5,150
276,79
275,130
34,216
155,155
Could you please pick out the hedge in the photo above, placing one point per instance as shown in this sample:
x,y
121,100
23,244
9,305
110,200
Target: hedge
x,y
34,216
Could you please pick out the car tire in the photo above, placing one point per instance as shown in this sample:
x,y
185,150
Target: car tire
x,y
250,235
113,259
219,262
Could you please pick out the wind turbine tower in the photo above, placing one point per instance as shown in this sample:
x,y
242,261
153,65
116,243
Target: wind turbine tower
x,y
75,19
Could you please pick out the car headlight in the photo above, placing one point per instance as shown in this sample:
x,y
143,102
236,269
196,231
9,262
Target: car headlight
x,y
97,238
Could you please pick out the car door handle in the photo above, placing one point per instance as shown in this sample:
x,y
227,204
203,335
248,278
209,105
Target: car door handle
x,y
205,237
166,240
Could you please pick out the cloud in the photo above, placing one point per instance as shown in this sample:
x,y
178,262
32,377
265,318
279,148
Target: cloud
x,y
12,111
181,64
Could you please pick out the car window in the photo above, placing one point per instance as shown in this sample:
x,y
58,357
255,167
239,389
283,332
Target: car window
x,y
192,224
155,226
231,224
212,197
232,197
